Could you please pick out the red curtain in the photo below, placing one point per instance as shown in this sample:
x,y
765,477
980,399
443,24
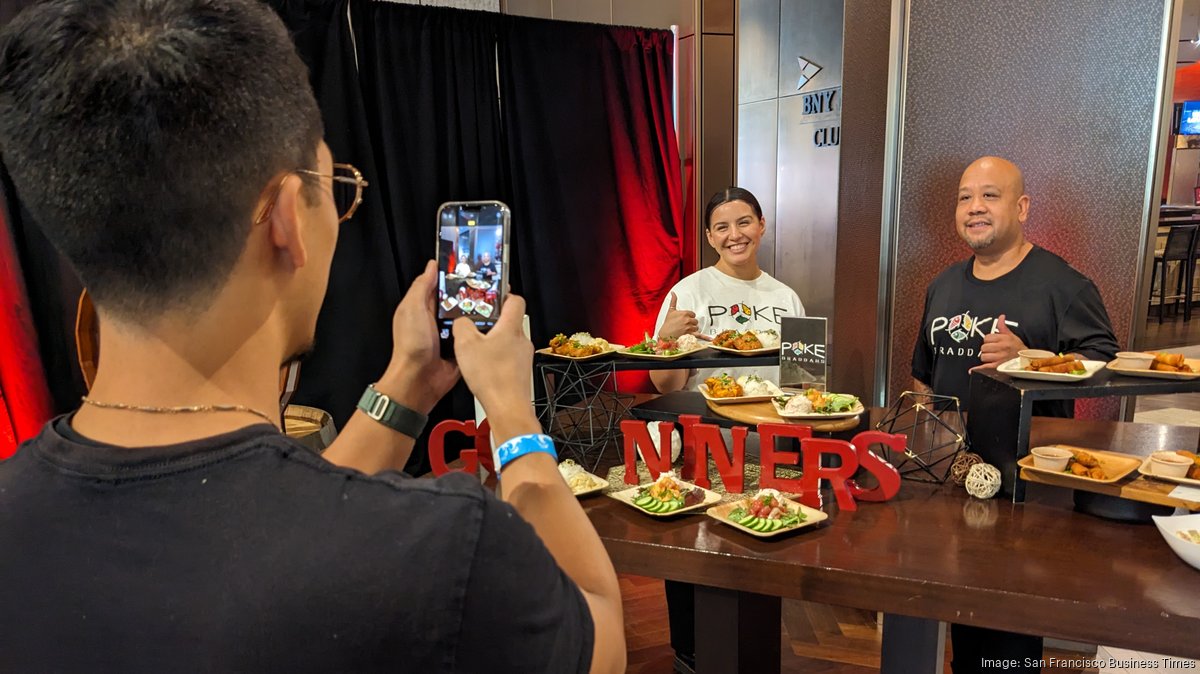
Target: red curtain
x,y
24,398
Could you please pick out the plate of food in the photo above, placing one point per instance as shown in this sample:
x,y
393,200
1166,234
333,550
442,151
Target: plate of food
x,y
449,303
581,482
1180,466
747,343
1158,366
1054,368
767,513
749,388
483,309
467,305
666,496
664,349
817,404
1182,533
1091,465
479,284
579,346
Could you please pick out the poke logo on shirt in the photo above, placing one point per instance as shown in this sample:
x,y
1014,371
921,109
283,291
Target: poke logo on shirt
x,y
744,313
960,327
740,312
964,326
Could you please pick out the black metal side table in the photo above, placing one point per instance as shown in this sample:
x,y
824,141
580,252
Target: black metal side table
x,y
1002,408
581,407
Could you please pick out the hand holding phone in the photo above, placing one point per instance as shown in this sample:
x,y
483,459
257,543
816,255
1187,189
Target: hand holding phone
x,y
416,375
472,260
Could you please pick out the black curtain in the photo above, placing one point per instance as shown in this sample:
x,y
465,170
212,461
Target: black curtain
x,y
408,94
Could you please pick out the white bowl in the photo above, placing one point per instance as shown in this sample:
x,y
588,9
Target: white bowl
x,y
1169,464
1051,458
1187,551
1134,360
1027,355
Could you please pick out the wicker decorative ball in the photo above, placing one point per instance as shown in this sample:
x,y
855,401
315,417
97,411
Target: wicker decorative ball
x,y
962,465
983,480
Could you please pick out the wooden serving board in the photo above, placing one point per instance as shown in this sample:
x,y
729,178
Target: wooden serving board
x,y
764,413
1133,486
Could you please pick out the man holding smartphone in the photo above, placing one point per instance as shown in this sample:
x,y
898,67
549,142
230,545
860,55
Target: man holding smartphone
x,y
167,524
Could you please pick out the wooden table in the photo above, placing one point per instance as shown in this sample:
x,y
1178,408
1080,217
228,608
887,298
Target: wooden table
x,y
931,555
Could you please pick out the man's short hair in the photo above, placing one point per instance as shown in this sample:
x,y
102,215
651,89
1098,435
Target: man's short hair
x,y
140,134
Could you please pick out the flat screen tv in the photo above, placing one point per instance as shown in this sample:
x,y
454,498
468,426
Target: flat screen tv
x,y
1189,119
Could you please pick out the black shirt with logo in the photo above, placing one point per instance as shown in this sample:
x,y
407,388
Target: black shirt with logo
x,y
246,552
1045,302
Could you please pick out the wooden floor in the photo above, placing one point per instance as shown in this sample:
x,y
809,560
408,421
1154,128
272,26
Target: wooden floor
x,y
817,639
1173,332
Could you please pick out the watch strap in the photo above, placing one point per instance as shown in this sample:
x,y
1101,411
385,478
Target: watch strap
x,y
392,414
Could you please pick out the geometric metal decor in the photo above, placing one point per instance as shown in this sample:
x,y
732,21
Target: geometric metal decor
x,y
936,435
579,406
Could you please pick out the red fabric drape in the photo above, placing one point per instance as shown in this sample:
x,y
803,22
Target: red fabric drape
x,y
597,193
638,92
24,398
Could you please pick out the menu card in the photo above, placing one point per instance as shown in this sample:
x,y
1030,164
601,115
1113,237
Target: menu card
x,y
802,352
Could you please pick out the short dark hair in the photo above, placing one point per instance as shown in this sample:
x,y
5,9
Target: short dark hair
x,y
727,195
140,133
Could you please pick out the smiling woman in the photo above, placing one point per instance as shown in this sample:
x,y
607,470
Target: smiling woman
x,y
734,294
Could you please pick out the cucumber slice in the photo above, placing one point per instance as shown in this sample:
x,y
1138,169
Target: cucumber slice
x,y
764,526
657,506
776,525
642,500
649,507
757,524
670,506
748,522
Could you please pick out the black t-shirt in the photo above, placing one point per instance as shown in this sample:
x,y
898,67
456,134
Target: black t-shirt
x,y
1045,302
246,552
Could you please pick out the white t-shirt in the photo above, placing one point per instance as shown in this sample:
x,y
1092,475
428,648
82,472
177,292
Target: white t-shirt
x,y
722,302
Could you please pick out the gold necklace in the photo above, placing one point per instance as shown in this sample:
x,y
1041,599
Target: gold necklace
x,y
183,409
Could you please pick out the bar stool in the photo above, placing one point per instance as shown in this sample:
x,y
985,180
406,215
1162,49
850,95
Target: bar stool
x,y
1181,248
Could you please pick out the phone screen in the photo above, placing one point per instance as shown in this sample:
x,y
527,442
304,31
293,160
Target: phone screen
x,y
472,262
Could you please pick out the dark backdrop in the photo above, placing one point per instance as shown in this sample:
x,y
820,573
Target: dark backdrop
x,y
570,124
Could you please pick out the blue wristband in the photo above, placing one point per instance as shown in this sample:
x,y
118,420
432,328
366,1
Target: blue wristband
x,y
522,445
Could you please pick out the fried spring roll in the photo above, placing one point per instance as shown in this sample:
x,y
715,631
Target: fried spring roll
x,y
1163,367
1063,368
1175,359
1047,362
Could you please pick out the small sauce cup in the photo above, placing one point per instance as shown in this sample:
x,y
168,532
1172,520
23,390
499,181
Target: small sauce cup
x,y
1134,360
1051,458
1028,355
1169,464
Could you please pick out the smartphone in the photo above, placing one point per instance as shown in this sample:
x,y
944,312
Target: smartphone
x,y
472,255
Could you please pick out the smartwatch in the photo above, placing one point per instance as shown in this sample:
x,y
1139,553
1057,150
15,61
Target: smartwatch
x,y
392,414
